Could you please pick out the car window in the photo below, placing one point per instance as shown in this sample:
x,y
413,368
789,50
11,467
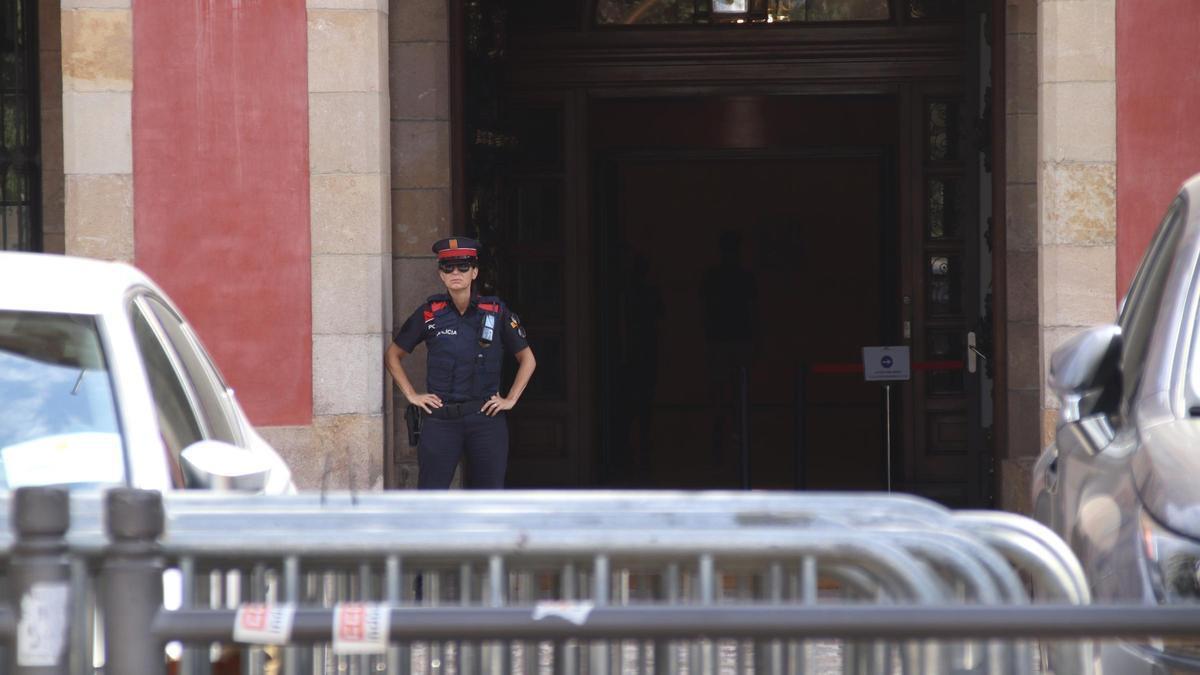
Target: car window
x,y
206,382
177,419
1140,311
58,414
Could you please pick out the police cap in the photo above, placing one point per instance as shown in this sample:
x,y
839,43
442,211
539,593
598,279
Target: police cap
x,y
456,248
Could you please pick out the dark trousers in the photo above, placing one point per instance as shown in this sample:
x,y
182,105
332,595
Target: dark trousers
x,y
476,437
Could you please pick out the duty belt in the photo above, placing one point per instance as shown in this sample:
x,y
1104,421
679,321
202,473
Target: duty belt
x,y
453,411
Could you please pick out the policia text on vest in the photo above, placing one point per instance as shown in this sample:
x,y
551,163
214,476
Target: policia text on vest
x,y
466,337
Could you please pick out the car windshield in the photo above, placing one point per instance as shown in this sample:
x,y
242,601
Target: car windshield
x,y
58,420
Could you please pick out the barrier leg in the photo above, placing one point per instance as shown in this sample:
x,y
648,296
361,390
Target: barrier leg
x,y
40,581
566,652
132,582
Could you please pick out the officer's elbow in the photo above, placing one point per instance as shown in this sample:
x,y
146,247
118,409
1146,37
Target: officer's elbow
x,y
393,355
526,359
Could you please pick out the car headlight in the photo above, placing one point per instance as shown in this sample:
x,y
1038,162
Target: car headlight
x,y
1172,561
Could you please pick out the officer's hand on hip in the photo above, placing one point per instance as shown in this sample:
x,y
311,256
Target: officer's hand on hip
x,y
426,402
495,404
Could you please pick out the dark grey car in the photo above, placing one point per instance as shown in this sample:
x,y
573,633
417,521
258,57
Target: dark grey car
x,y
1121,483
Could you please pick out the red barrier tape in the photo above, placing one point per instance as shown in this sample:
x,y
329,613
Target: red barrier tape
x,y
853,368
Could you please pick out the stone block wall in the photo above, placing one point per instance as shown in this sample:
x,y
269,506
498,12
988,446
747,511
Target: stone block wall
x,y
97,128
419,49
351,247
1024,369
1076,176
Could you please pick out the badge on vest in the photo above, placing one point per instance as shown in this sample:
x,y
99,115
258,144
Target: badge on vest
x,y
487,330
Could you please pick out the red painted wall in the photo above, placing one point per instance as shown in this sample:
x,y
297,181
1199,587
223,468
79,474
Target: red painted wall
x,y
1158,139
220,167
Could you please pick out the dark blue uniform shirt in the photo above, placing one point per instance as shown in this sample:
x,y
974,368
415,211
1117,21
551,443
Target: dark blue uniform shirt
x,y
460,367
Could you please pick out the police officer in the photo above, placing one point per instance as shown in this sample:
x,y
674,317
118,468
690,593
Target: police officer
x,y
466,336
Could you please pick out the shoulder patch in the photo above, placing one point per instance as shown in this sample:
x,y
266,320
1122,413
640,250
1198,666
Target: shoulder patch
x,y
433,308
515,322
489,306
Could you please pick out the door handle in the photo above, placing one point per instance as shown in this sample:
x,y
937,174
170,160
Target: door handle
x,y
973,354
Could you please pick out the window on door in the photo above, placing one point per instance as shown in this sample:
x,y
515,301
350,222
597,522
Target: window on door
x,y
685,12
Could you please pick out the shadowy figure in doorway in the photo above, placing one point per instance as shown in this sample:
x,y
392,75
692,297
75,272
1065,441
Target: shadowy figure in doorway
x,y
639,312
729,314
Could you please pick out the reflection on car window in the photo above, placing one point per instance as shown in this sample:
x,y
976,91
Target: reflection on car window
x,y
207,385
1140,311
58,419
176,420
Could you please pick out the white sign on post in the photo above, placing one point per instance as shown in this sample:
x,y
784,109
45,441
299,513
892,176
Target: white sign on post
x,y
886,364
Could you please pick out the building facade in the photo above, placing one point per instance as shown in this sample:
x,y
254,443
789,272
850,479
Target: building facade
x,y
281,168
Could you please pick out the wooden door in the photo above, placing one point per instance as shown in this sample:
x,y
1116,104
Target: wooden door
x,y
539,276
719,262
555,78
942,304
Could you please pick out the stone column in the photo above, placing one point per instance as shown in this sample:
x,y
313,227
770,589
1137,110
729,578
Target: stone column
x,y
1077,174
420,122
97,99
351,238
1024,372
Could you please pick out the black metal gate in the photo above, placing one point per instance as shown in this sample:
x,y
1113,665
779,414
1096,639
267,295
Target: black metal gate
x,y
20,137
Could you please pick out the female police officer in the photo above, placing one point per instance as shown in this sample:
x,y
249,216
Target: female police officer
x,y
466,336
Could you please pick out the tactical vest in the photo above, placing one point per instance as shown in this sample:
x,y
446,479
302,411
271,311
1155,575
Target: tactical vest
x,y
461,365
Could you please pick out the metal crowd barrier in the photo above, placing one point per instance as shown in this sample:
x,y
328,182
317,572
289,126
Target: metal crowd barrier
x,y
545,582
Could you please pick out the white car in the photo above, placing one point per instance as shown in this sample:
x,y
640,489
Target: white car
x,y
103,382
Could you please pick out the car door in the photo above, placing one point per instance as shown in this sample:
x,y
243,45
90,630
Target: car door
x,y
212,394
189,398
1094,491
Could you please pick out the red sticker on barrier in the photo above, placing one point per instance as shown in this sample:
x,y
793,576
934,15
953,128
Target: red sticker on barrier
x,y
260,624
361,628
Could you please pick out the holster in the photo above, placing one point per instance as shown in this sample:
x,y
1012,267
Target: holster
x,y
412,419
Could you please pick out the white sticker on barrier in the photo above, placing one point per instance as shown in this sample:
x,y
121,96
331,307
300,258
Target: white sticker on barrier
x,y
42,628
575,612
361,628
260,624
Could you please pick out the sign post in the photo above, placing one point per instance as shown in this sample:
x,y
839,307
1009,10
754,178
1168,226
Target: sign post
x,y
887,365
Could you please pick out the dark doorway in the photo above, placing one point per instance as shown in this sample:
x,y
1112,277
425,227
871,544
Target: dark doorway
x,y
601,164
730,262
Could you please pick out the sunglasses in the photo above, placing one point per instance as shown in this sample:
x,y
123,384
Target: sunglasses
x,y
463,267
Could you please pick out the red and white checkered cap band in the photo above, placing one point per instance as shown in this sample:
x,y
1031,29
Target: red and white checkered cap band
x,y
457,253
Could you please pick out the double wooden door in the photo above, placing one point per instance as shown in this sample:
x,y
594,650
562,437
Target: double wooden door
x,y
609,200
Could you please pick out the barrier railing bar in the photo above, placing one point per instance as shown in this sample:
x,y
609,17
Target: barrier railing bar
x,y
397,658
81,619
565,651
598,651
291,594
891,622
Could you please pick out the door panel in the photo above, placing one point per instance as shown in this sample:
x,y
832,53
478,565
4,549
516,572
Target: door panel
x,y
943,461
534,246
848,245
728,260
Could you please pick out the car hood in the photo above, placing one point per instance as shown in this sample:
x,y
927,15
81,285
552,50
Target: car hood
x,y
1166,470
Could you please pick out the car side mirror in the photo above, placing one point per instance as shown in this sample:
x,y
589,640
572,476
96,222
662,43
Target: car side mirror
x,y
221,466
1085,375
